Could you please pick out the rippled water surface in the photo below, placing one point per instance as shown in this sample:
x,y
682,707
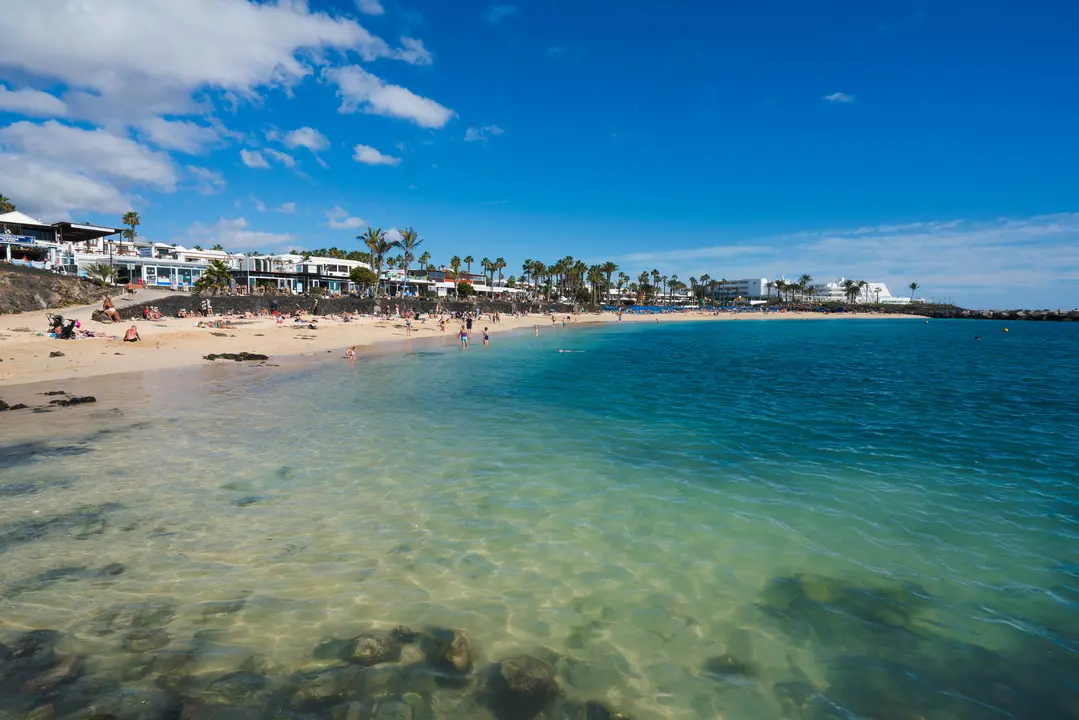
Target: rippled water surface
x,y
789,519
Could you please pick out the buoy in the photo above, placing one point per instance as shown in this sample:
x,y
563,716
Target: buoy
x,y
1005,329
926,322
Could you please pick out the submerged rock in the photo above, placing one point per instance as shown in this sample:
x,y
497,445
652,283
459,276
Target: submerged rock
x,y
373,649
519,688
225,607
134,616
448,650
238,688
727,666
140,641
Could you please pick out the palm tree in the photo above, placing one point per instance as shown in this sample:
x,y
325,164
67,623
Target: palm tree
x,y
101,273
608,268
214,278
455,265
468,262
485,265
642,285
132,220
913,286
375,240
803,283
862,285
655,278
770,287
6,205
622,280
539,271
424,260
410,240
703,283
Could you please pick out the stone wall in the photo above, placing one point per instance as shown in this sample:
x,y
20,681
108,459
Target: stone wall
x,y
239,304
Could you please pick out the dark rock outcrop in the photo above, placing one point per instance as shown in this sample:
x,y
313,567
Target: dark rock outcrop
x,y
448,650
238,357
519,688
23,289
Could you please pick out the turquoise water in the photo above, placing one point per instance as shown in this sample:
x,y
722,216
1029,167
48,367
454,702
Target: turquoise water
x,y
748,519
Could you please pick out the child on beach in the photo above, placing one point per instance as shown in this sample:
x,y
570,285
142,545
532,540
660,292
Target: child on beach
x,y
351,353
486,337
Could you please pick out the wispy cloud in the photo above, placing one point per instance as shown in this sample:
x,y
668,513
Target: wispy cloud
x,y
235,235
339,219
413,52
481,134
838,97
370,7
281,157
498,13
369,156
208,181
360,91
306,137
555,51
1004,262
287,208
253,159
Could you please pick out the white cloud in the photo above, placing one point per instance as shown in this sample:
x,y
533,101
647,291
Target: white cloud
x,y
283,158
339,219
480,134
369,156
839,98
122,51
259,205
179,135
361,91
32,103
209,181
94,153
234,235
307,137
497,13
413,52
370,7
288,208
52,190
253,159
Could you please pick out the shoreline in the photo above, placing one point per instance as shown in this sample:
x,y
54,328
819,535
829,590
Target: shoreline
x,y
174,343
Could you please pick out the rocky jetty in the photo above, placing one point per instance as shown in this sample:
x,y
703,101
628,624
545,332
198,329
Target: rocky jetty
x,y
950,312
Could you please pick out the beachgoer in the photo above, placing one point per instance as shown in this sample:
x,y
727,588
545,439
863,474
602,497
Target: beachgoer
x,y
468,322
132,334
486,337
110,310
408,327
442,324
464,337
351,353
535,329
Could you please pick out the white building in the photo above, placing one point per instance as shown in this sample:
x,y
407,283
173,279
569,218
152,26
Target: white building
x,y
872,293
747,289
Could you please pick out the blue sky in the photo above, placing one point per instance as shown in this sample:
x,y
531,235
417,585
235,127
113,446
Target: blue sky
x,y
888,141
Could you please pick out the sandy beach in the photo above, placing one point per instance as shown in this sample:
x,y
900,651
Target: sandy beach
x,y
26,350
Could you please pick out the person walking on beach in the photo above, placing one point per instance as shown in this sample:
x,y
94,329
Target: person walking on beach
x,y
442,324
464,337
486,337
468,322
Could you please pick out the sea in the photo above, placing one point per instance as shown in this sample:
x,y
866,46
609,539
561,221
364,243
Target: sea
x,y
750,519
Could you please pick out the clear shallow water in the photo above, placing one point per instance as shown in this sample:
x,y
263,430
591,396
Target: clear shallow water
x,y
743,520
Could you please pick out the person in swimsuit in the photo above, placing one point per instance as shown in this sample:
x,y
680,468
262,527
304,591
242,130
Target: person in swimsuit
x,y
132,334
464,337
486,338
110,309
351,353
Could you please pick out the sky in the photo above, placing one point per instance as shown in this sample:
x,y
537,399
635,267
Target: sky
x,y
892,141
